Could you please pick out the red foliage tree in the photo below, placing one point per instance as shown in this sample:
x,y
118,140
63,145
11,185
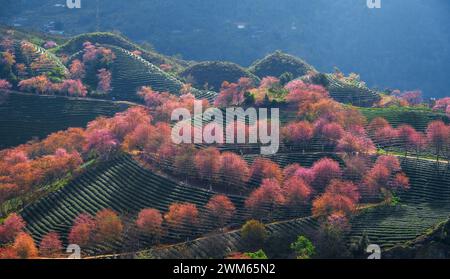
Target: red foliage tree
x,y
39,84
345,188
377,178
8,253
182,216
355,167
410,139
327,204
298,132
82,230
332,133
4,84
390,162
269,82
263,168
300,92
220,209
234,169
11,227
104,81
208,163
353,144
385,136
386,177
108,225
290,170
324,171
73,88
401,181
102,142
376,124
443,105
24,246
77,70
149,222
94,54
232,94
138,139
50,245
296,191
266,198
438,136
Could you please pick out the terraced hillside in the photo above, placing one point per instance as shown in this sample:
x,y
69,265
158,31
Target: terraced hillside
x,y
434,244
24,117
76,44
55,61
351,94
416,117
221,245
425,204
48,62
122,185
130,72
213,74
422,207
278,63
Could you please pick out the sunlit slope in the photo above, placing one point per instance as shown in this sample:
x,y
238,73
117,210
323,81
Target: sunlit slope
x,y
425,204
419,118
212,74
353,94
278,63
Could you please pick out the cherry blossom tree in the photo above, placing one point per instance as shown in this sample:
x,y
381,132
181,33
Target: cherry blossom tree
x,y
340,196
182,217
220,209
332,133
11,227
50,245
438,136
264,168
149,222
101,142
232,94
109,227
82,230
234,169
298,133
77,70
208,163
4,84
24,246
266,198
324,171
104,81
296,191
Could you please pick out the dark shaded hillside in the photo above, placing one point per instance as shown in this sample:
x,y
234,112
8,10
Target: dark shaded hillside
x,y
24,117
212,74
279,63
